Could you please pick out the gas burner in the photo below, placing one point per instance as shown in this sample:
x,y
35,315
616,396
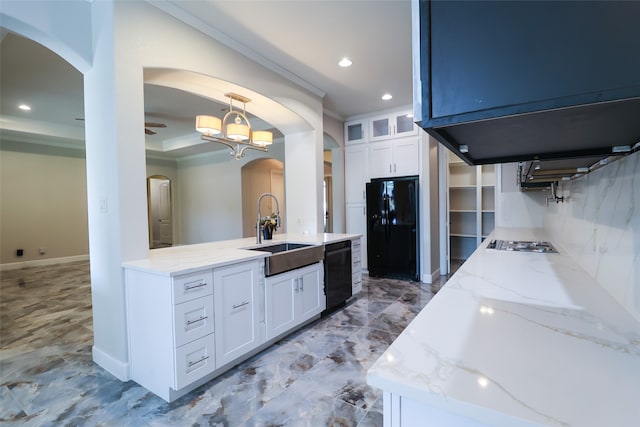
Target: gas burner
x,y
522,246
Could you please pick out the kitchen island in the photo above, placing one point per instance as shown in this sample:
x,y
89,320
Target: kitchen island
x,y
515,339
176,260
196,311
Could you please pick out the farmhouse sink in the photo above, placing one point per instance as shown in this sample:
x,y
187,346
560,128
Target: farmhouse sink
x,y
287,256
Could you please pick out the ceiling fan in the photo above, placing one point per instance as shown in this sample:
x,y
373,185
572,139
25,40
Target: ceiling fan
x,y
152,125
146,125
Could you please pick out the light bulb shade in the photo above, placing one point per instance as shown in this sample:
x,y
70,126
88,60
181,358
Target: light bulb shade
x,y
262,138
237,131
208,125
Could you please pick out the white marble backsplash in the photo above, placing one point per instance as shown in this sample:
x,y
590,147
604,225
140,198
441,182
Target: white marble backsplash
x,y
598,225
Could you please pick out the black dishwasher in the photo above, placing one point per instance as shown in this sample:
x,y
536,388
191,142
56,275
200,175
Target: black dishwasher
x,y
337,274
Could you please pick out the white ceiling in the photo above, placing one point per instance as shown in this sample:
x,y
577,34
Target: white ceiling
x,y
302,40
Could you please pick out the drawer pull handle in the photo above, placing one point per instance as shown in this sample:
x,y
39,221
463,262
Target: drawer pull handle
x,y
199,285
240,305
191,322
198,361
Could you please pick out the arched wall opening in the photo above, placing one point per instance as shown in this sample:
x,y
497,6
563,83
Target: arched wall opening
x,y
258,177
100,35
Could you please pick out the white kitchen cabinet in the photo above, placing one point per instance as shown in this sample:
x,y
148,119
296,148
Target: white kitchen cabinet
x,y
356,165
401,411
170,322
238,305
394,125
292,298
357,224
356,266
355,131
392,158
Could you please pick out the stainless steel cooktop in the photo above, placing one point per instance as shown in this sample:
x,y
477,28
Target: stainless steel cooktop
x,y
522,246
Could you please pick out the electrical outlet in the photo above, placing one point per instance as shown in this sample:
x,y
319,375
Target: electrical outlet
x,y
19,252
42,250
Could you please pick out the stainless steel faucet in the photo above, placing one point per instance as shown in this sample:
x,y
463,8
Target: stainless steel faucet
x,y
258,226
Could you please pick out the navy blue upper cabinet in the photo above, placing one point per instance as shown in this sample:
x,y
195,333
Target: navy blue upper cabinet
x,y
517,80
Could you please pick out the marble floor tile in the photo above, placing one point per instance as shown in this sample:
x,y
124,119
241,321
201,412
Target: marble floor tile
x,y
315,376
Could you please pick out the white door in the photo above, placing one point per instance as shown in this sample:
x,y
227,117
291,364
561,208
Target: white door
x,y
159,206
164,213
280,304
236,301
381,159
406,157
356,171
311,299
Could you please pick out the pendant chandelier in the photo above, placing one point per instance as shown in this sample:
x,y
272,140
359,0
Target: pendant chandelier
x,y
234,130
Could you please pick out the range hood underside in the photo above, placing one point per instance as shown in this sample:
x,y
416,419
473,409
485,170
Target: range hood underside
x,y
572,132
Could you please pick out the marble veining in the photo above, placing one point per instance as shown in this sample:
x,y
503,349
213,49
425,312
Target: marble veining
x,y
530,339
313,377
598,225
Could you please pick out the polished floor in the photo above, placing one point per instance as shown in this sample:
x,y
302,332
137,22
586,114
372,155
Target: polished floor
x,y
314,377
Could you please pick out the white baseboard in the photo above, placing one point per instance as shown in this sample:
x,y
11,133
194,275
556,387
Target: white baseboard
x,y
115,367
41,262
428,278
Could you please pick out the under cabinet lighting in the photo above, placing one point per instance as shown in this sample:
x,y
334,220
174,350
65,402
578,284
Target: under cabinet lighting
x,y
24,107
386,97
464,148
621,148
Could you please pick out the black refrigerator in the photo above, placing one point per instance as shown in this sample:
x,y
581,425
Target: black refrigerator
x,y
392,228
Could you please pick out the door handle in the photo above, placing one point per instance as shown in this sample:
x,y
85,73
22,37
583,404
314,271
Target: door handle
x,y
302,284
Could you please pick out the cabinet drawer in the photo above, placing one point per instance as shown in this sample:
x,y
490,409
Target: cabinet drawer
x,y
356,266
195,360
191,286
193,320
356,283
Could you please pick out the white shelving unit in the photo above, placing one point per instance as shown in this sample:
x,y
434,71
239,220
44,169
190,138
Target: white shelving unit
x,y
471,201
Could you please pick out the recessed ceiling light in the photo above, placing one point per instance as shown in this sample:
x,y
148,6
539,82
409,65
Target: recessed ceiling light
x,y
386,97
24,107
345,62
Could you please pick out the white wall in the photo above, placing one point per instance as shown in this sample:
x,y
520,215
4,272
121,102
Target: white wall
x,y
210,200
43,203
335,129
515,208
599,226
429,236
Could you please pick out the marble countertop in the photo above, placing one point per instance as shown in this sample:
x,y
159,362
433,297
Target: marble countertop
x,y
517,338
186,259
